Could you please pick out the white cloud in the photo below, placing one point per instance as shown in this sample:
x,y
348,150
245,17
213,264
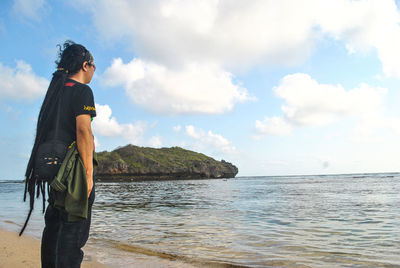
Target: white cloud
x,y
21,83
273,125
105,124
231,33
236,34
368,131
209,139
177,128
393,124
96,142
30,9
155,141
364,25
195,89
309,103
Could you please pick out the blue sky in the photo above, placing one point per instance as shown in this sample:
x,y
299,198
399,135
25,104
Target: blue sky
x,y
275,87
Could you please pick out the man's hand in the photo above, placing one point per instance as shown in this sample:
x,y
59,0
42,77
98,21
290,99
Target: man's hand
x,y
84,141
89,178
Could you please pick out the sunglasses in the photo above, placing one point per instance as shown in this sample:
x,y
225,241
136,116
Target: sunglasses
x,y
92,64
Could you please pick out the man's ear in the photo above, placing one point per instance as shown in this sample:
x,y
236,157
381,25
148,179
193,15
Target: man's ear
x,y
85,66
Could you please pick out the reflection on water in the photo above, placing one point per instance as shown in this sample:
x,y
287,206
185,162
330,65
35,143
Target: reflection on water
x,y
303,221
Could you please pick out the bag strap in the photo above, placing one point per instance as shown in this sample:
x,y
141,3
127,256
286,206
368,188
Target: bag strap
x,y
58,114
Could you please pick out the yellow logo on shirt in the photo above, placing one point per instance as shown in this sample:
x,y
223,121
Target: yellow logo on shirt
x,y
89,108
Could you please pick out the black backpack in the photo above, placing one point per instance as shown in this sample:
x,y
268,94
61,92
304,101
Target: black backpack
x,y
47,161
51,153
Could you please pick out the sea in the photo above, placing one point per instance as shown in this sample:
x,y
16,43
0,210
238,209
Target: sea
x,y
348,220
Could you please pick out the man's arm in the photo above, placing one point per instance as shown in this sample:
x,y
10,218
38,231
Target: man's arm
x,y
84,141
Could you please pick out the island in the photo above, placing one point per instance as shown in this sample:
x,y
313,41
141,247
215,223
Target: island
x,y
134,163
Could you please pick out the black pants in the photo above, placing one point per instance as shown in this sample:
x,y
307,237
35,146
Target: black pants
x,y
62,240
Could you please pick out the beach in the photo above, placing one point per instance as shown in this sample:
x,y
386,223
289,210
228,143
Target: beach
x,y
24,251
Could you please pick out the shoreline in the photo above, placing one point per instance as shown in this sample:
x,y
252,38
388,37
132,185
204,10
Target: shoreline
x,y
24,251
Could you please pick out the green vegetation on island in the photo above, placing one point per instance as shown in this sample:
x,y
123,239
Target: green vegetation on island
x,y
131,162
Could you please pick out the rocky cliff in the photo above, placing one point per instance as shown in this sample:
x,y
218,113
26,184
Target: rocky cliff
x,y
131,162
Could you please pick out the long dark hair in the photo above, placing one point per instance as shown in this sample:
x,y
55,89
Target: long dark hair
x,y
70,59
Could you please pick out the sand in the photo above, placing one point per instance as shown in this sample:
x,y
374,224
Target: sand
x,y
24,251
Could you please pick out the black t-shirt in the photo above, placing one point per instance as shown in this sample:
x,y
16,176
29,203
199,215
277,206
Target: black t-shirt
x,y
77,99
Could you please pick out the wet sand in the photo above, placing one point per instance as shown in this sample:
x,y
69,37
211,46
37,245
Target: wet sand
x,y
24,251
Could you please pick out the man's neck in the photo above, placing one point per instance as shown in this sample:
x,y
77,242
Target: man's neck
x,y
78,77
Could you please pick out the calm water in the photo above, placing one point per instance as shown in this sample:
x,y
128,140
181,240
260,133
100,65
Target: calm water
x,y
295,221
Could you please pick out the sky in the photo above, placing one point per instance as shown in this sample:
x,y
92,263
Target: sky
x,y
276,87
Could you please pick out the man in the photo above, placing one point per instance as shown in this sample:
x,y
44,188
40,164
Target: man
x,y
63,238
